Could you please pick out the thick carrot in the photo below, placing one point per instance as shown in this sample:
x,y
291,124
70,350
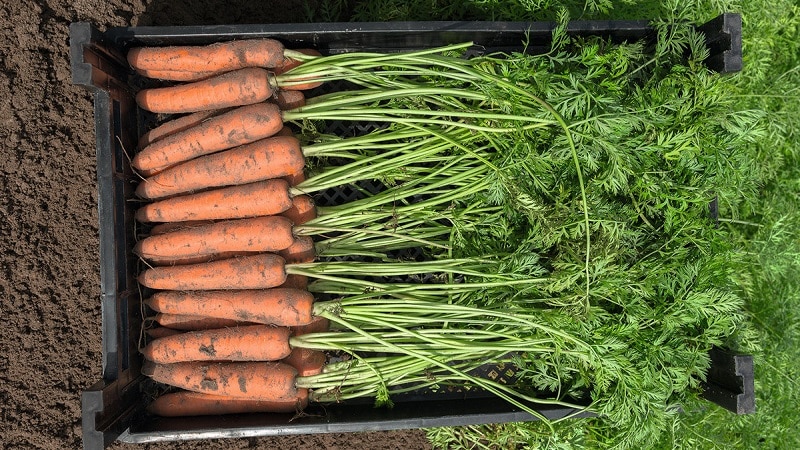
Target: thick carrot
x,y
261,271
308,362
261,198
172,226
223,131
302,210
288,100
237,88
188,404
301,251
274,157
162,331
181,322
176,75
247,343
296,178
279,306
174,126
270,381
217,57
256,234
288,63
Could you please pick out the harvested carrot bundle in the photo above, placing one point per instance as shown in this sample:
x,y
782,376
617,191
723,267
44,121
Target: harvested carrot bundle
x,y
270,381
261,198
246,343
195,323
187,404
279,306
257,234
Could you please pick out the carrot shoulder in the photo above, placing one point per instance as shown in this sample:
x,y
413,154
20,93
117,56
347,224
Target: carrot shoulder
x,y
187,404
261,271
246,343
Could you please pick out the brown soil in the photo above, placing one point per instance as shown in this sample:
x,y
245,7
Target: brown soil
x,y
49,276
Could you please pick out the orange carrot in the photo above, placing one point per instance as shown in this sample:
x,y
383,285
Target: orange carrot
x,y
172,226
294,86
308,362
247,343
288,100
301,211
162,331
217,57
288,63
296,178
262,160
227,130
186,260
261,271
257,234
279,306
295,282
194,323
176,75
188,404
317,325
301,251
261,198
174,126
270,381
237,88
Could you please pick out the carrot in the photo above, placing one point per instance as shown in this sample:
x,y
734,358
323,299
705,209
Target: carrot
x,y
188,404
301,251
162,331
261,271
247,343
308,362
274,157
285,131
217,57
301,211
176,75
295,178
261,198
186,260
288,100
317,325
288,63
296,86
270,381
181,322
295,282
279,306
227,130
257,234
237,88
172,226
175,125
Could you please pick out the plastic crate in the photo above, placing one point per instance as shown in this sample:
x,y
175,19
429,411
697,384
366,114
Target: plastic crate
x,y
114,407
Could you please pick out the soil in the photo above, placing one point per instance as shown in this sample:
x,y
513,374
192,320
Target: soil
x,y
49,265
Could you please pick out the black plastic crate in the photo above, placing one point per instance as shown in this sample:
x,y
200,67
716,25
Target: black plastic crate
x,y
114,407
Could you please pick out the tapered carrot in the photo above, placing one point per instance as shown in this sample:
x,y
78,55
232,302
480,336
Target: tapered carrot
x,y
181,322
176,75
188,404
270,381
186,260
237,88
302,210
308,362
261,271
279,306
176,125
261,198
217,57
256,234
274,157
223,131
246,343
172,226
288,100
159,332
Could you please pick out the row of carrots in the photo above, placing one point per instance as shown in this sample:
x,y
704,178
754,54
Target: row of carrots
x,y
217,185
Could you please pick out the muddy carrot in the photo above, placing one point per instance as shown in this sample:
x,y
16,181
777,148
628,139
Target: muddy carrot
x,y
317,325
308,362
237,88
186,260
175,126
261,271
246,343
223,131
172,226
274,157
302,210
188,404
176,75
194,323
261,198
279,306
270,381
256,234
295,282
288,100
217,57
301,251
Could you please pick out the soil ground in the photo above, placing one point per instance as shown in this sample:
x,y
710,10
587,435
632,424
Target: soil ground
x,y
49,266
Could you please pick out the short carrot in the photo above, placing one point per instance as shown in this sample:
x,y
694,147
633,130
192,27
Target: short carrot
x,y
302,210
186,260
273,157
217,57
290,63
301,251
188,404
172,226
220,132
279,306
295,178
176,125
317,325
245,343
256,234
182,322
237,88
262,198
288,100
306,361
176,75
295,282
261,271
270,381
